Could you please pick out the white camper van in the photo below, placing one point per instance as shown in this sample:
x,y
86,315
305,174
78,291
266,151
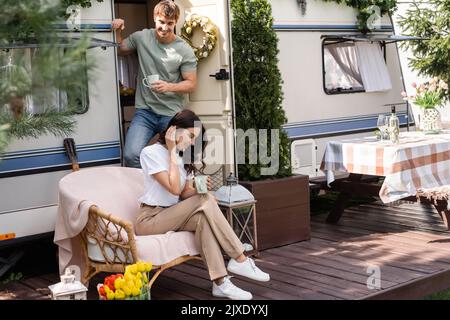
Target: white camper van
x,y
30,169
336,80
324,97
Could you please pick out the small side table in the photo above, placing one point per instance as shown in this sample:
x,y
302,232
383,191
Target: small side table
x,y
242,218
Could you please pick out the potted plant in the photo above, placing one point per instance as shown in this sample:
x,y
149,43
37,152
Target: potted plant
x,y
282,199
429,96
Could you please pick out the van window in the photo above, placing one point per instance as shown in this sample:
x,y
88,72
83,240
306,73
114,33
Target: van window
x,y
44,96
341,71
340,67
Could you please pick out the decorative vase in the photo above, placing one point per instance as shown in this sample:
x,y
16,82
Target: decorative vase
x,y
430,120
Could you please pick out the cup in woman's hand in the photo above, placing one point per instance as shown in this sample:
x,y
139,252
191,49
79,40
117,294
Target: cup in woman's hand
x,y
201,184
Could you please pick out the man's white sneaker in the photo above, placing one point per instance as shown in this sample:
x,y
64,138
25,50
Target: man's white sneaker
x,y
228,290
247,269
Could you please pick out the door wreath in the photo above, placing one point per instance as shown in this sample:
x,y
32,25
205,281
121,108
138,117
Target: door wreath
x,y
210,34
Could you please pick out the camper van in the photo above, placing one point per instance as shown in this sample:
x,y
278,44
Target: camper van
x,y
324,97
31,168
324,61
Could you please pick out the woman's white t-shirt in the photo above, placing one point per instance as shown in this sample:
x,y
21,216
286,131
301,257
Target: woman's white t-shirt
x,y
154,159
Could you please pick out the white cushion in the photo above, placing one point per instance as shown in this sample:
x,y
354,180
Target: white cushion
x,y
157,249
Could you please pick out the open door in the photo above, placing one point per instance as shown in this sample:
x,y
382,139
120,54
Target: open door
x,y
213,100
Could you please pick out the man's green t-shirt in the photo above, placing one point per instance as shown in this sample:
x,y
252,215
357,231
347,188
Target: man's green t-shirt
x,y
166,60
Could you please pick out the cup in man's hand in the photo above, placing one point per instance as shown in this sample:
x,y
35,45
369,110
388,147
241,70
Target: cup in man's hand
x,y
201,184
150,79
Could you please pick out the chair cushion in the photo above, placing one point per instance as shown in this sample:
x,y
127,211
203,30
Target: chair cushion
x,y
157,249
162,248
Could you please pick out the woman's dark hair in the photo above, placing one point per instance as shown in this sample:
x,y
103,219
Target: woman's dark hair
x,y
187,119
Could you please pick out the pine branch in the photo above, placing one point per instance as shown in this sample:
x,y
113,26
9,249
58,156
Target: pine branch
x,y
36,72
29,125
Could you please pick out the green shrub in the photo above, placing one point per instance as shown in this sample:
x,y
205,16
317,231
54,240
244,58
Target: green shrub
x,y
258,82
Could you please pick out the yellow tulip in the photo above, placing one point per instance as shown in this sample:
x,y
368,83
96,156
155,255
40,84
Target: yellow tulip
x,y
148,267
135,291
127,290
140,266
110,295
128,277
133,269
138,283
119,294
118,283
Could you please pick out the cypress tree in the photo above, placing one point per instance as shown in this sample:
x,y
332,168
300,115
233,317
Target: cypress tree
x,y
258,83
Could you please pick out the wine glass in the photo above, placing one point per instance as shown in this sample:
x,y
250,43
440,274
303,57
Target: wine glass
x,y
382,124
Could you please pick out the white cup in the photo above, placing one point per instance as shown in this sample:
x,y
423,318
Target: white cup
x,y
148,80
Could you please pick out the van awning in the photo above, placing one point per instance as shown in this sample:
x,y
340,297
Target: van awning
x,y
386,38
60,42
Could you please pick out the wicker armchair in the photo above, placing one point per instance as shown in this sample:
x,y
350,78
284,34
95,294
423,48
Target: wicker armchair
x,y
115,239
109,243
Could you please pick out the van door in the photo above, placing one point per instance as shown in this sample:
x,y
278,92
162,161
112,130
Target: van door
x,y
213,99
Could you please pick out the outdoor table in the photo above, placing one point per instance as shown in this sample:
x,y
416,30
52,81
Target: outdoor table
x,y
417,162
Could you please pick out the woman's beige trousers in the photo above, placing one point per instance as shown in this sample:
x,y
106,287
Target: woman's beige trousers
x,y
200,214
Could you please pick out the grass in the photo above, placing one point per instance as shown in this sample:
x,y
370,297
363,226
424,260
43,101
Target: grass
x,y
443,295
11,277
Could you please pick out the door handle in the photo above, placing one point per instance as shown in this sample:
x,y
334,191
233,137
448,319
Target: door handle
x,y
221,75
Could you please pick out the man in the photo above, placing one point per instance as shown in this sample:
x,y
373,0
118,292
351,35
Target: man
x,y
162,55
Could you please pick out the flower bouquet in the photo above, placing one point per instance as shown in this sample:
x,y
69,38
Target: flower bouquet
x,y
132,285
428,97
430,94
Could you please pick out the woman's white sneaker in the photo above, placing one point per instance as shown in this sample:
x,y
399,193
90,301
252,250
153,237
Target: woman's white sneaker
x,y
228,290
247,269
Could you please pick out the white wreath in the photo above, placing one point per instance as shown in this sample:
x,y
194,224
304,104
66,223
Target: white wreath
x,y
209,39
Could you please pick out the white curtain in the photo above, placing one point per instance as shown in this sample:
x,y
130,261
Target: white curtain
x,y
374,72
345,56
128,70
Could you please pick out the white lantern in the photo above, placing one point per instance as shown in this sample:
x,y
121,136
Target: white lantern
x,y
233,193
238,206
69,288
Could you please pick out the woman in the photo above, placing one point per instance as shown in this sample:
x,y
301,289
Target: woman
x,y
171,203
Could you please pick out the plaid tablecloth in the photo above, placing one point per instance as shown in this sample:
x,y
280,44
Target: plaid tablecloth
x,y
418,161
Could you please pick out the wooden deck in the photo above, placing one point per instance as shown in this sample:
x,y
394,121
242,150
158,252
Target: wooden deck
x,y
409,244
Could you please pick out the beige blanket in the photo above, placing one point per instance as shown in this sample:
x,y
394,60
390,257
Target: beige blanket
x,y
114,190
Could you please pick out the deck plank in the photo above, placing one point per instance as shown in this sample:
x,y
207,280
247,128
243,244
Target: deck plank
x,y
391,273
275,287
367,252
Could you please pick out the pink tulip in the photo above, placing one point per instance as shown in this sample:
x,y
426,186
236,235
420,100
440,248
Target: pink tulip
x,y
404,94
414,85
